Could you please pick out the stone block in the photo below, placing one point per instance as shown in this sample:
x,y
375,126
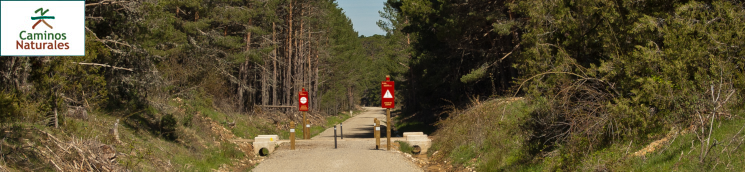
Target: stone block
x,y
412,133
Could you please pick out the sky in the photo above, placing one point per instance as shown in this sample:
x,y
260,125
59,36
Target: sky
x,y
364,15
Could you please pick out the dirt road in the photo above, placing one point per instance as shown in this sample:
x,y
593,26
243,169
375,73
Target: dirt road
x,y
356,152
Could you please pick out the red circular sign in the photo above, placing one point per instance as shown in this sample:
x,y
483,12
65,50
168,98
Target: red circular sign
x,y
303,99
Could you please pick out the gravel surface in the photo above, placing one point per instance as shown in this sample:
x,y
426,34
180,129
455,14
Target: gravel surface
x,y
355,153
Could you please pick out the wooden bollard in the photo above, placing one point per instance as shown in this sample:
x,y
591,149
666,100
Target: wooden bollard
x,y
388,128
307,129
377,134
305,122
292,135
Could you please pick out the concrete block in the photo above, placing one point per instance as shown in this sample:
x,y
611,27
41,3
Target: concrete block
x,y
259,145
412,133
424,145
419,140
265,141
274,137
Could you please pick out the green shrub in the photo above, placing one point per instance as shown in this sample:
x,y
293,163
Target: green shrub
x,y
405,147
463,153
168,126
230,150
8,107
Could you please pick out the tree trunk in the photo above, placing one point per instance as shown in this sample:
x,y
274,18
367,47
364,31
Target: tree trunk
x,y
248,37
244,71
288,81
265,85
301,68
295,68
408,40
350,96
315,87
248,103
308,72
240,88
274,69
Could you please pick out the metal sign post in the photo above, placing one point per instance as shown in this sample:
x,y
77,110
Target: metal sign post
x,y
388,102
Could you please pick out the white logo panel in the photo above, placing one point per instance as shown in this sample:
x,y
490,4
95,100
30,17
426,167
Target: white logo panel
x,y
42,28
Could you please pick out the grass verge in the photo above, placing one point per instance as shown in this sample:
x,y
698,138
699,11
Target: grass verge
x,y
487,136
490,136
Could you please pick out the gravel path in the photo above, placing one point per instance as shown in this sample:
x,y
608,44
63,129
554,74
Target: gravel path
x,y
355,153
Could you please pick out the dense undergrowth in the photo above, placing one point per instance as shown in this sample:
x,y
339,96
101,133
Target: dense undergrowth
x,y
496,135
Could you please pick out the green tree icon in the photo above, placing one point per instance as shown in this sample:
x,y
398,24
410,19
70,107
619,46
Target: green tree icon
x,y
42,11
42,18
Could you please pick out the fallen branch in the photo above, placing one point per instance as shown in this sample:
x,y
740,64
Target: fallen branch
x,y
733,139
55,165
107,2
271,106
545,73
114,41
105,65
232,78
49,135
104,41
402,64
508,54
94,18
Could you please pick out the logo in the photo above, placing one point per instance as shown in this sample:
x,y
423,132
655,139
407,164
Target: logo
x,y
55,28
41,18
42,41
